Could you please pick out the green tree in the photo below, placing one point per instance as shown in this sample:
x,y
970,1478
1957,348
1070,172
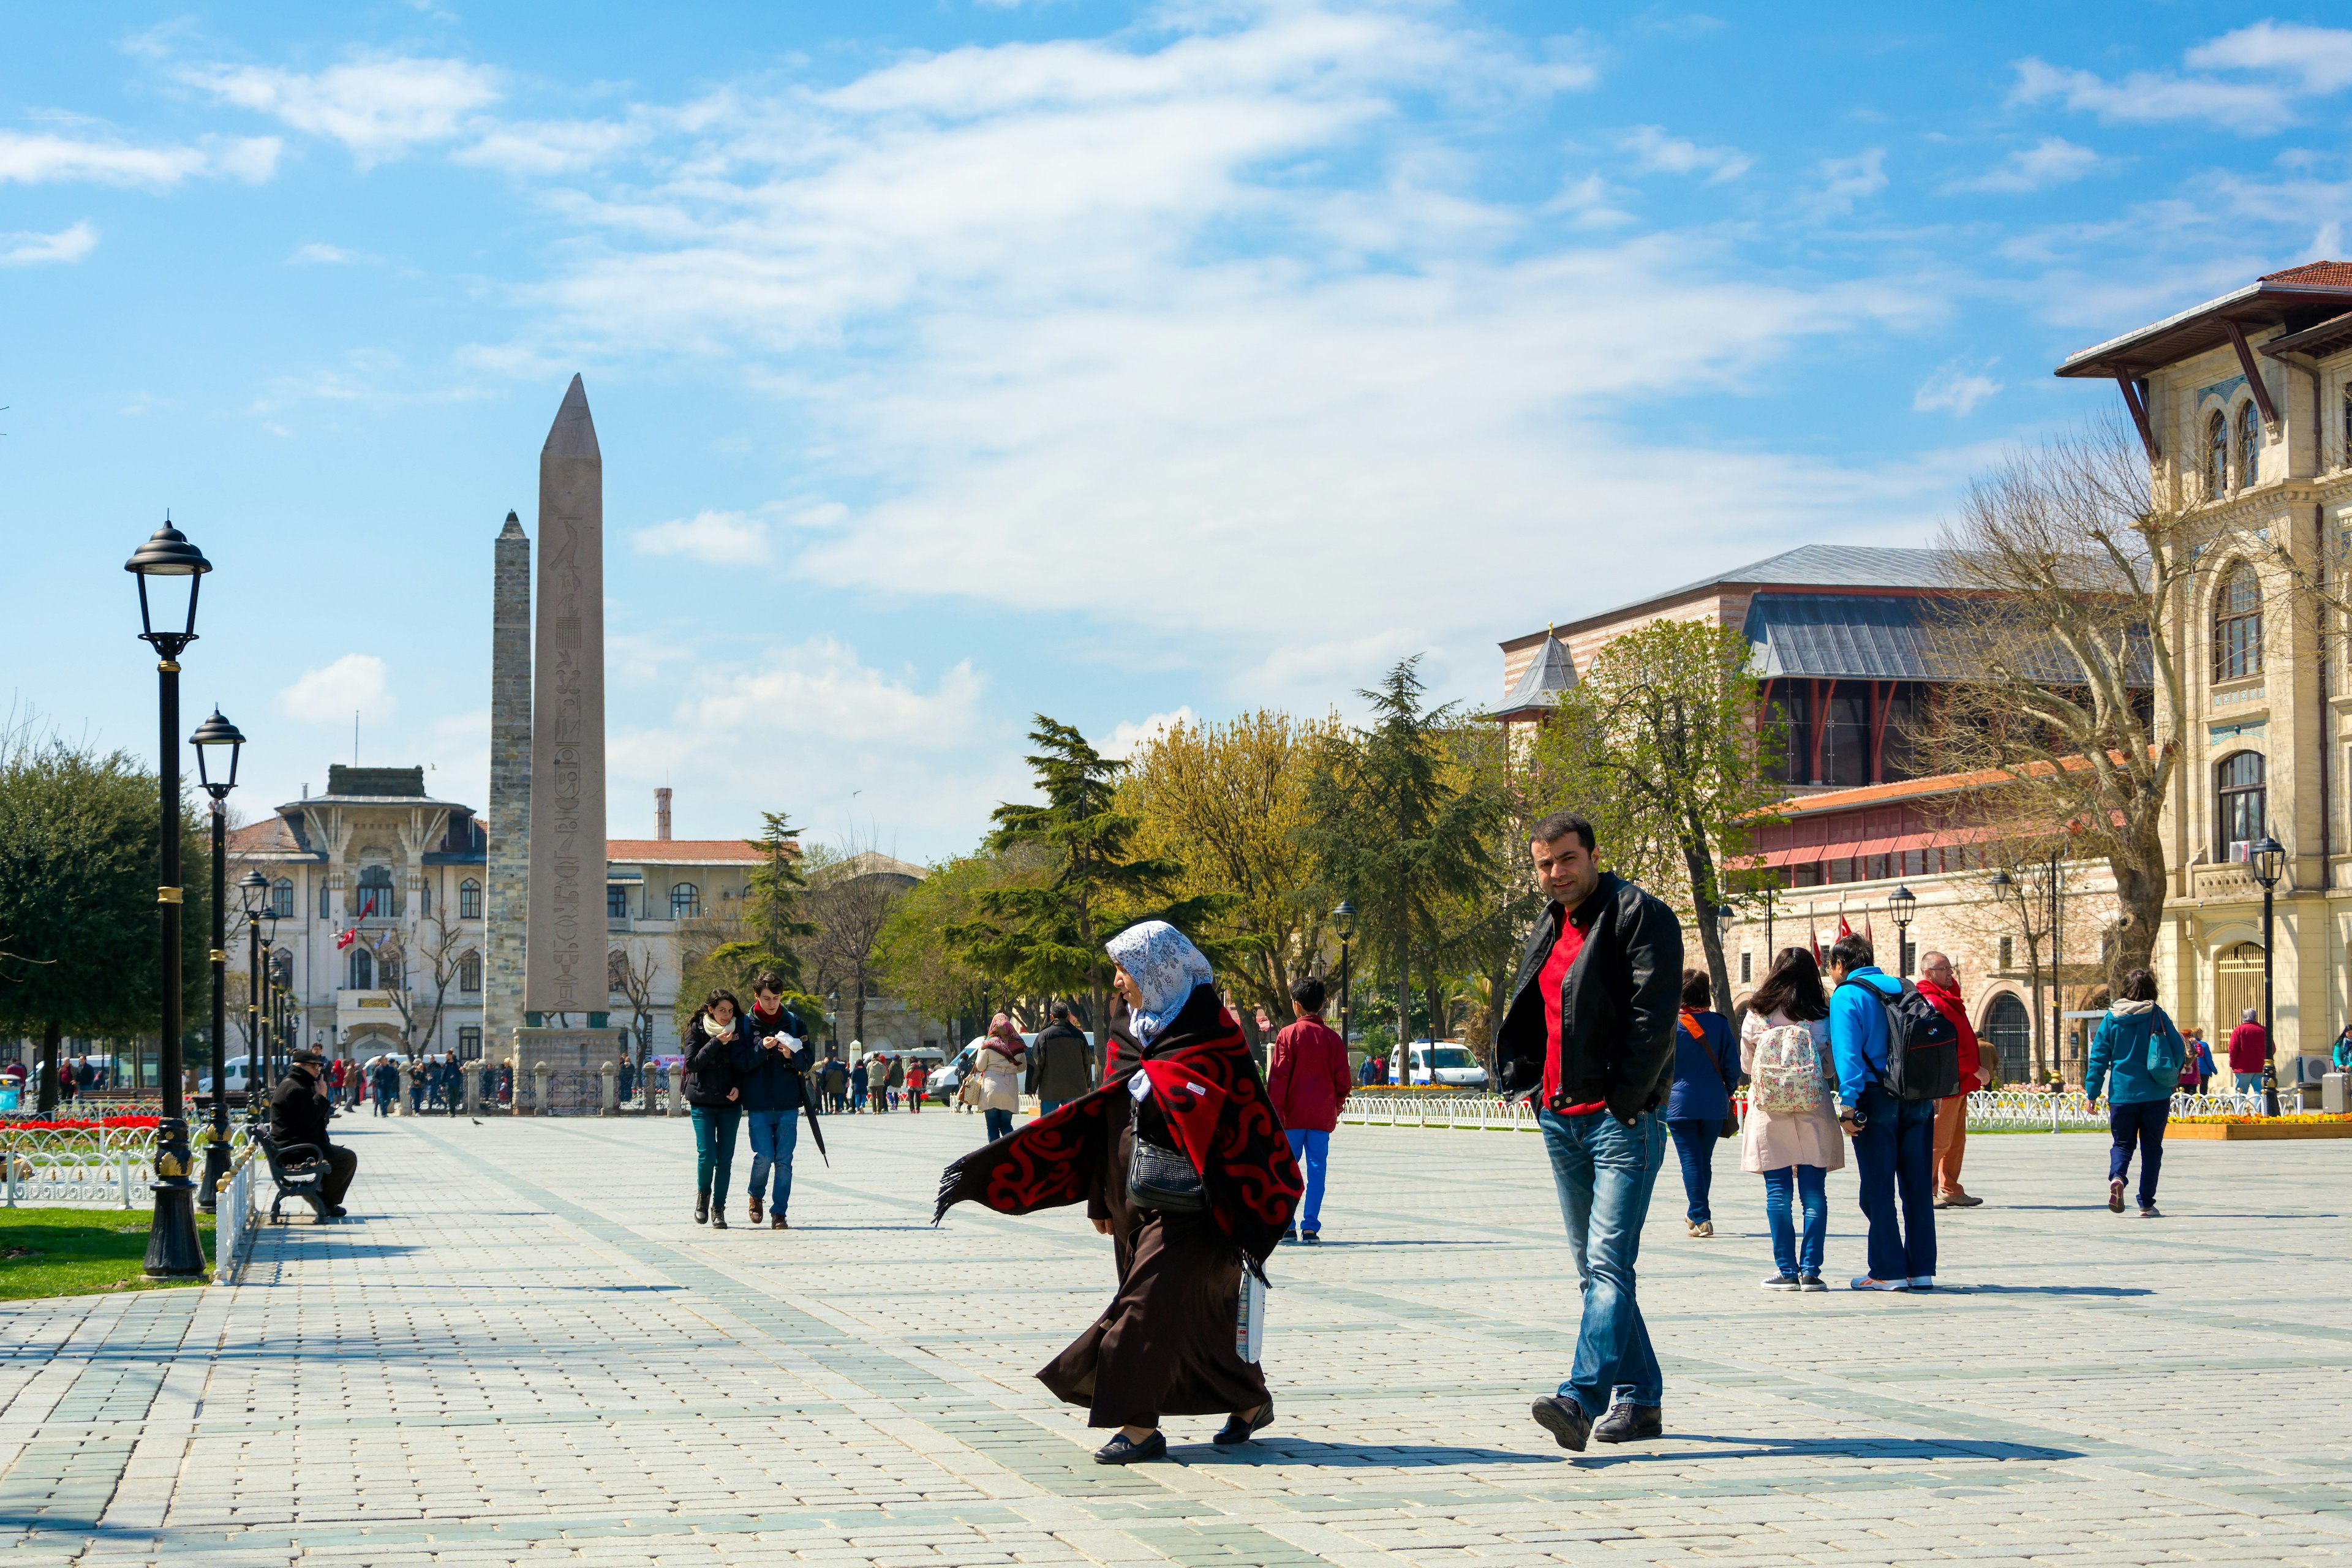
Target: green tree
x,y
726,952
1046,936
1403,830
919,961
78,856
1662,736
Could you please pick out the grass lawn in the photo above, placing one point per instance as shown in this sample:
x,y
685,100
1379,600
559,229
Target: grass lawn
x,y
79,1252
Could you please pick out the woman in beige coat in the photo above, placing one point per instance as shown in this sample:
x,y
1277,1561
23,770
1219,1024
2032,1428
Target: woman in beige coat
x,y
998,1067
1791,1136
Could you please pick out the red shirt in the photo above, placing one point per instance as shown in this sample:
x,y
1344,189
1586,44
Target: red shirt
x,y
1949,1004
2249,1045
1564,949
1308,1079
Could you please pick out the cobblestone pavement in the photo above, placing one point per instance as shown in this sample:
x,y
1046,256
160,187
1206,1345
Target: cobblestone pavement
x,y
521,1350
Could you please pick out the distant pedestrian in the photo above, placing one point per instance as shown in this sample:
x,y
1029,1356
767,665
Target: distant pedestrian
x,y
1939,983
997,1064
2250,1047
898,1080
2197,1063
2340,1055
713,1101
1698,1105
1589,1033
1306,1082
298,1115
1061,1063
1894,1140
769,1061
918,1077
419,1079
384,1077
859,1072
1790,1137
624,1079
2136,1056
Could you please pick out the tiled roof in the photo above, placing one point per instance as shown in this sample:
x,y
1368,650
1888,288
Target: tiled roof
x,y
2318,274
1548,674
681,852
1861,637
270,836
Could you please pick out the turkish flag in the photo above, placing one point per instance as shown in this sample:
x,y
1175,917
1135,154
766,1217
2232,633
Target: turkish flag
x,y
345,939
1844,931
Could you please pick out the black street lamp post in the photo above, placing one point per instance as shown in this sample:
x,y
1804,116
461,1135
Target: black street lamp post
x,y
281,1001
260,1005
174,1250
211,735
1343,921
2267,856
1903,903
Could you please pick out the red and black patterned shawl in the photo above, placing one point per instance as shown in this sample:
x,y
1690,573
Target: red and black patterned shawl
x,y
1226,1125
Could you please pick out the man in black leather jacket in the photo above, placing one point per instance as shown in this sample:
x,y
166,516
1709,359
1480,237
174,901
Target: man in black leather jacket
x,y
297,1114
1590,1035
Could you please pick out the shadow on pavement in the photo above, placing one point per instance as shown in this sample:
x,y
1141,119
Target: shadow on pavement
x,y
1858,1447
1942,1290
1359,1456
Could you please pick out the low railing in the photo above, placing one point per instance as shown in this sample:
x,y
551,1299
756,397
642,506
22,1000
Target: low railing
x,y
233,1220
1989,1111
110,1167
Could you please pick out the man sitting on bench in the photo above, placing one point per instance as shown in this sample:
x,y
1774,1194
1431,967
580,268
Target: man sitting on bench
x,y
297,1114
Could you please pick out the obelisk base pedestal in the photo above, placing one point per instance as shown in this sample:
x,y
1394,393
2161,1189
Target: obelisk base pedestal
x,y
574,1059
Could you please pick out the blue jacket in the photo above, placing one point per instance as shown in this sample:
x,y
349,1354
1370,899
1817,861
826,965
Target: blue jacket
x,y
2136,1055
770,1081
1858,1031
1701,1093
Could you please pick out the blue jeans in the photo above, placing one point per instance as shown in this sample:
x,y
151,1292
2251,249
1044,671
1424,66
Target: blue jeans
x,y
714,1145
1047,1106
1604,1172
1694,1142
2138,1124
1895,1150
774,1135
1313,1153
1808,1184
999,1124
2246,1082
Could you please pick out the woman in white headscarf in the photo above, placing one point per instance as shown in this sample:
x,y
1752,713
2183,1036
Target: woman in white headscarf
x,y
1181,1160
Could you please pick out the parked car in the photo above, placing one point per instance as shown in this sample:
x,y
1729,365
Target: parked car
x,y
941,1085
1454,1067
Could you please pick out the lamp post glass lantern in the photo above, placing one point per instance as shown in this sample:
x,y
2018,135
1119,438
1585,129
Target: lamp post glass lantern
x,y
174,1248
214,736
2267,856
1903,903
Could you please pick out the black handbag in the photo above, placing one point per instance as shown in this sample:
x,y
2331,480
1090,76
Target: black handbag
x,y
1162,1178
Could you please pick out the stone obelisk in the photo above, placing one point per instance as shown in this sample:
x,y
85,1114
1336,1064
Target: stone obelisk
x,y
564,951
509,812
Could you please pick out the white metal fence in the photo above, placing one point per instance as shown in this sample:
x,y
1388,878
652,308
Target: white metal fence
x,y
234,1221
112,1167
1989,1111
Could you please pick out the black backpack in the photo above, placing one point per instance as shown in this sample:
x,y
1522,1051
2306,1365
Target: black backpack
x,y
1923,1049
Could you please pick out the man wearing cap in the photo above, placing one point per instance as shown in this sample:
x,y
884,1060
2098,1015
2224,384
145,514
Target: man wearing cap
x,y
297,1114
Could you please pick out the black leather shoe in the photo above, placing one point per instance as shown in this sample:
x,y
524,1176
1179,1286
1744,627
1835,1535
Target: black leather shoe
x,y
1119,1451
1564,1419
1236,1430
719,1218
336,1211
702,1208
1628,1423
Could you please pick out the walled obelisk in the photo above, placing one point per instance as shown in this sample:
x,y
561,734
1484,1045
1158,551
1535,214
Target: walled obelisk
x,y
564,951
509,812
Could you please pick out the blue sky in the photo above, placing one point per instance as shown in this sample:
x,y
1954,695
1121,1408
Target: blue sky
x,y
957,362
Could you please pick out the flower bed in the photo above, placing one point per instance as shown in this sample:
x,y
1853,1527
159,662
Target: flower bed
x,y
2259,1129
79,1124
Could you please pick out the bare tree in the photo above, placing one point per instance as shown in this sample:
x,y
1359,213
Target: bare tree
x,y
851,895
633,978
2062,645
407,975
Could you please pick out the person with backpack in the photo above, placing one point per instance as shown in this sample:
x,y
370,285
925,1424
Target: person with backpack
x,y
896,1081
2136,1056
1895,1057
1698,1105
1790,1137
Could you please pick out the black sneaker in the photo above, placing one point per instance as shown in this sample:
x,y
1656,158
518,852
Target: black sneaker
x,y
1290,1235
1311,1238
1565,1419
1237,1430
1782,1282
1119,1451
1810,1282
1628,1423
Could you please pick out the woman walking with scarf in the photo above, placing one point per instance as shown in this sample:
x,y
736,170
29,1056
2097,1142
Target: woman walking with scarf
x,y
997,1064
1183,1165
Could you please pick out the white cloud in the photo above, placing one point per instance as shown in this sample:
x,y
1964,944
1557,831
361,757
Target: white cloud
x,y
1845,181
2320,58
550,147
29,249
47,157
1127,737
332,693
2052,161
326,254
1956,387
2276,65
721,538
1655,152
377,108
819,691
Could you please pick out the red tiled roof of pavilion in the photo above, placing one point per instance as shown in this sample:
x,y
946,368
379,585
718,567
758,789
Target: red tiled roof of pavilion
x,y
2323,273
681,851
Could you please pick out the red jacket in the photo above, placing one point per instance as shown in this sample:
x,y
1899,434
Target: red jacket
x,y
2250,1043
1947,1001
1308,1078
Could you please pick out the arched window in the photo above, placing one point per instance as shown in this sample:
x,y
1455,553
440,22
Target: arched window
x,y
469,972
363,974
2250,445
2009,1029
2237,788
685,902
2217,457
281,898
372,897
326,909
2238,625
469,899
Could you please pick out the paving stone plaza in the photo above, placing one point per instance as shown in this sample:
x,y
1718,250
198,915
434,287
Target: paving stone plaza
x,y
519,1348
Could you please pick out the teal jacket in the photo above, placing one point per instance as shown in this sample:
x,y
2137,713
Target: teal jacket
x,y
2136,1055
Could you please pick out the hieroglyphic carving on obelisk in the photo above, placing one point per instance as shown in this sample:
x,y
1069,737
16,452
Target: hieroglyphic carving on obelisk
x,y
564,959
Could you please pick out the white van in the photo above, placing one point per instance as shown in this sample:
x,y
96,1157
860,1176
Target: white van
x,y
1455,1066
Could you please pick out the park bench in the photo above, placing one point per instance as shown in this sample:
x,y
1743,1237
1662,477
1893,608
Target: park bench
x,y
300,1172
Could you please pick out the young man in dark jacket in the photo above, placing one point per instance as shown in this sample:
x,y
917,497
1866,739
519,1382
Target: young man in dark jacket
x,y
297,1114
769,1062
1061,1063
1589,1034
